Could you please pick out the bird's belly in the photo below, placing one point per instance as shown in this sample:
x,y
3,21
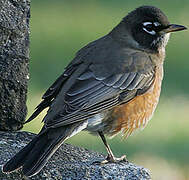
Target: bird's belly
x,y
100,122
95,123
136,114
128,117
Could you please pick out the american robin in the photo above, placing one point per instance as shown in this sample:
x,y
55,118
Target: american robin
x,y
112,85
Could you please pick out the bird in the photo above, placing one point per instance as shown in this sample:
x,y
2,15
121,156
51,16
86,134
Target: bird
x,y
111,86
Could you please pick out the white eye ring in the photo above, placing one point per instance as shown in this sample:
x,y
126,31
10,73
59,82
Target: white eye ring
x,y
156,24
152,32
146,23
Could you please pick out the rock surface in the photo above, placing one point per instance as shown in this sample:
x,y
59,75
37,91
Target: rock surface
x,y
69,162
14,57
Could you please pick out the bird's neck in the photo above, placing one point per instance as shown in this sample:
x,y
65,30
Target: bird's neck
x,y
122,35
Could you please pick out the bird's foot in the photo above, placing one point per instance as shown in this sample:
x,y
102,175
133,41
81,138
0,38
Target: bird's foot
x,y
112,159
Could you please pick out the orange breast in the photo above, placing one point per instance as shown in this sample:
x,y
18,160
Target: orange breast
x,y
138,111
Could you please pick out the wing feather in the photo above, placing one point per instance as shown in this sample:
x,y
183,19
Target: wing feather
x,y
89,95
92,84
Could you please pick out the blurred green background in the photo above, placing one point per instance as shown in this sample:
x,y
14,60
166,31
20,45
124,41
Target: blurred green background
x,y
59,28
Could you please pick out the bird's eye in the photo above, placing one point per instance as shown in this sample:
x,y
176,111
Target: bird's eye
x,y
149,28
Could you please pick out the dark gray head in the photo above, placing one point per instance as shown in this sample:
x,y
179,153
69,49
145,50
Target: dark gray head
x,y
149,27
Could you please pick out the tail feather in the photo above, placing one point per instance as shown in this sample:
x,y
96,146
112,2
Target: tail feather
x,y
35,155
17,161
37,158
44,104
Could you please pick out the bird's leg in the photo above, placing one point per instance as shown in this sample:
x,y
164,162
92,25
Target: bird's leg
x,y
110,157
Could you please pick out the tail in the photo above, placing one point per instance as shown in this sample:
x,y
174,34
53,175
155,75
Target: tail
x,y
33,157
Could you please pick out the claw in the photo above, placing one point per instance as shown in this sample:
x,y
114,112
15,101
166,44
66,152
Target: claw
x,y
111,159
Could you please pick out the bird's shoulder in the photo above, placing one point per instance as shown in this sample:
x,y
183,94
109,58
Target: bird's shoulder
x,y
103,58
113,58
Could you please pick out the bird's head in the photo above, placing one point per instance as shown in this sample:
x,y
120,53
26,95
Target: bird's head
x,y
149,27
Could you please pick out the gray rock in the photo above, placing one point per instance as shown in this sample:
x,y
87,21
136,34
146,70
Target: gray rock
x,y
69,162
14,57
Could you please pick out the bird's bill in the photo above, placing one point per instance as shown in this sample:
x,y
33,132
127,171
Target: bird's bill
x,y
173,28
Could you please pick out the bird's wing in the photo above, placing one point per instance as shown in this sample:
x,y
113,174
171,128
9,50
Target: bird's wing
x,y
93,92
54,89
